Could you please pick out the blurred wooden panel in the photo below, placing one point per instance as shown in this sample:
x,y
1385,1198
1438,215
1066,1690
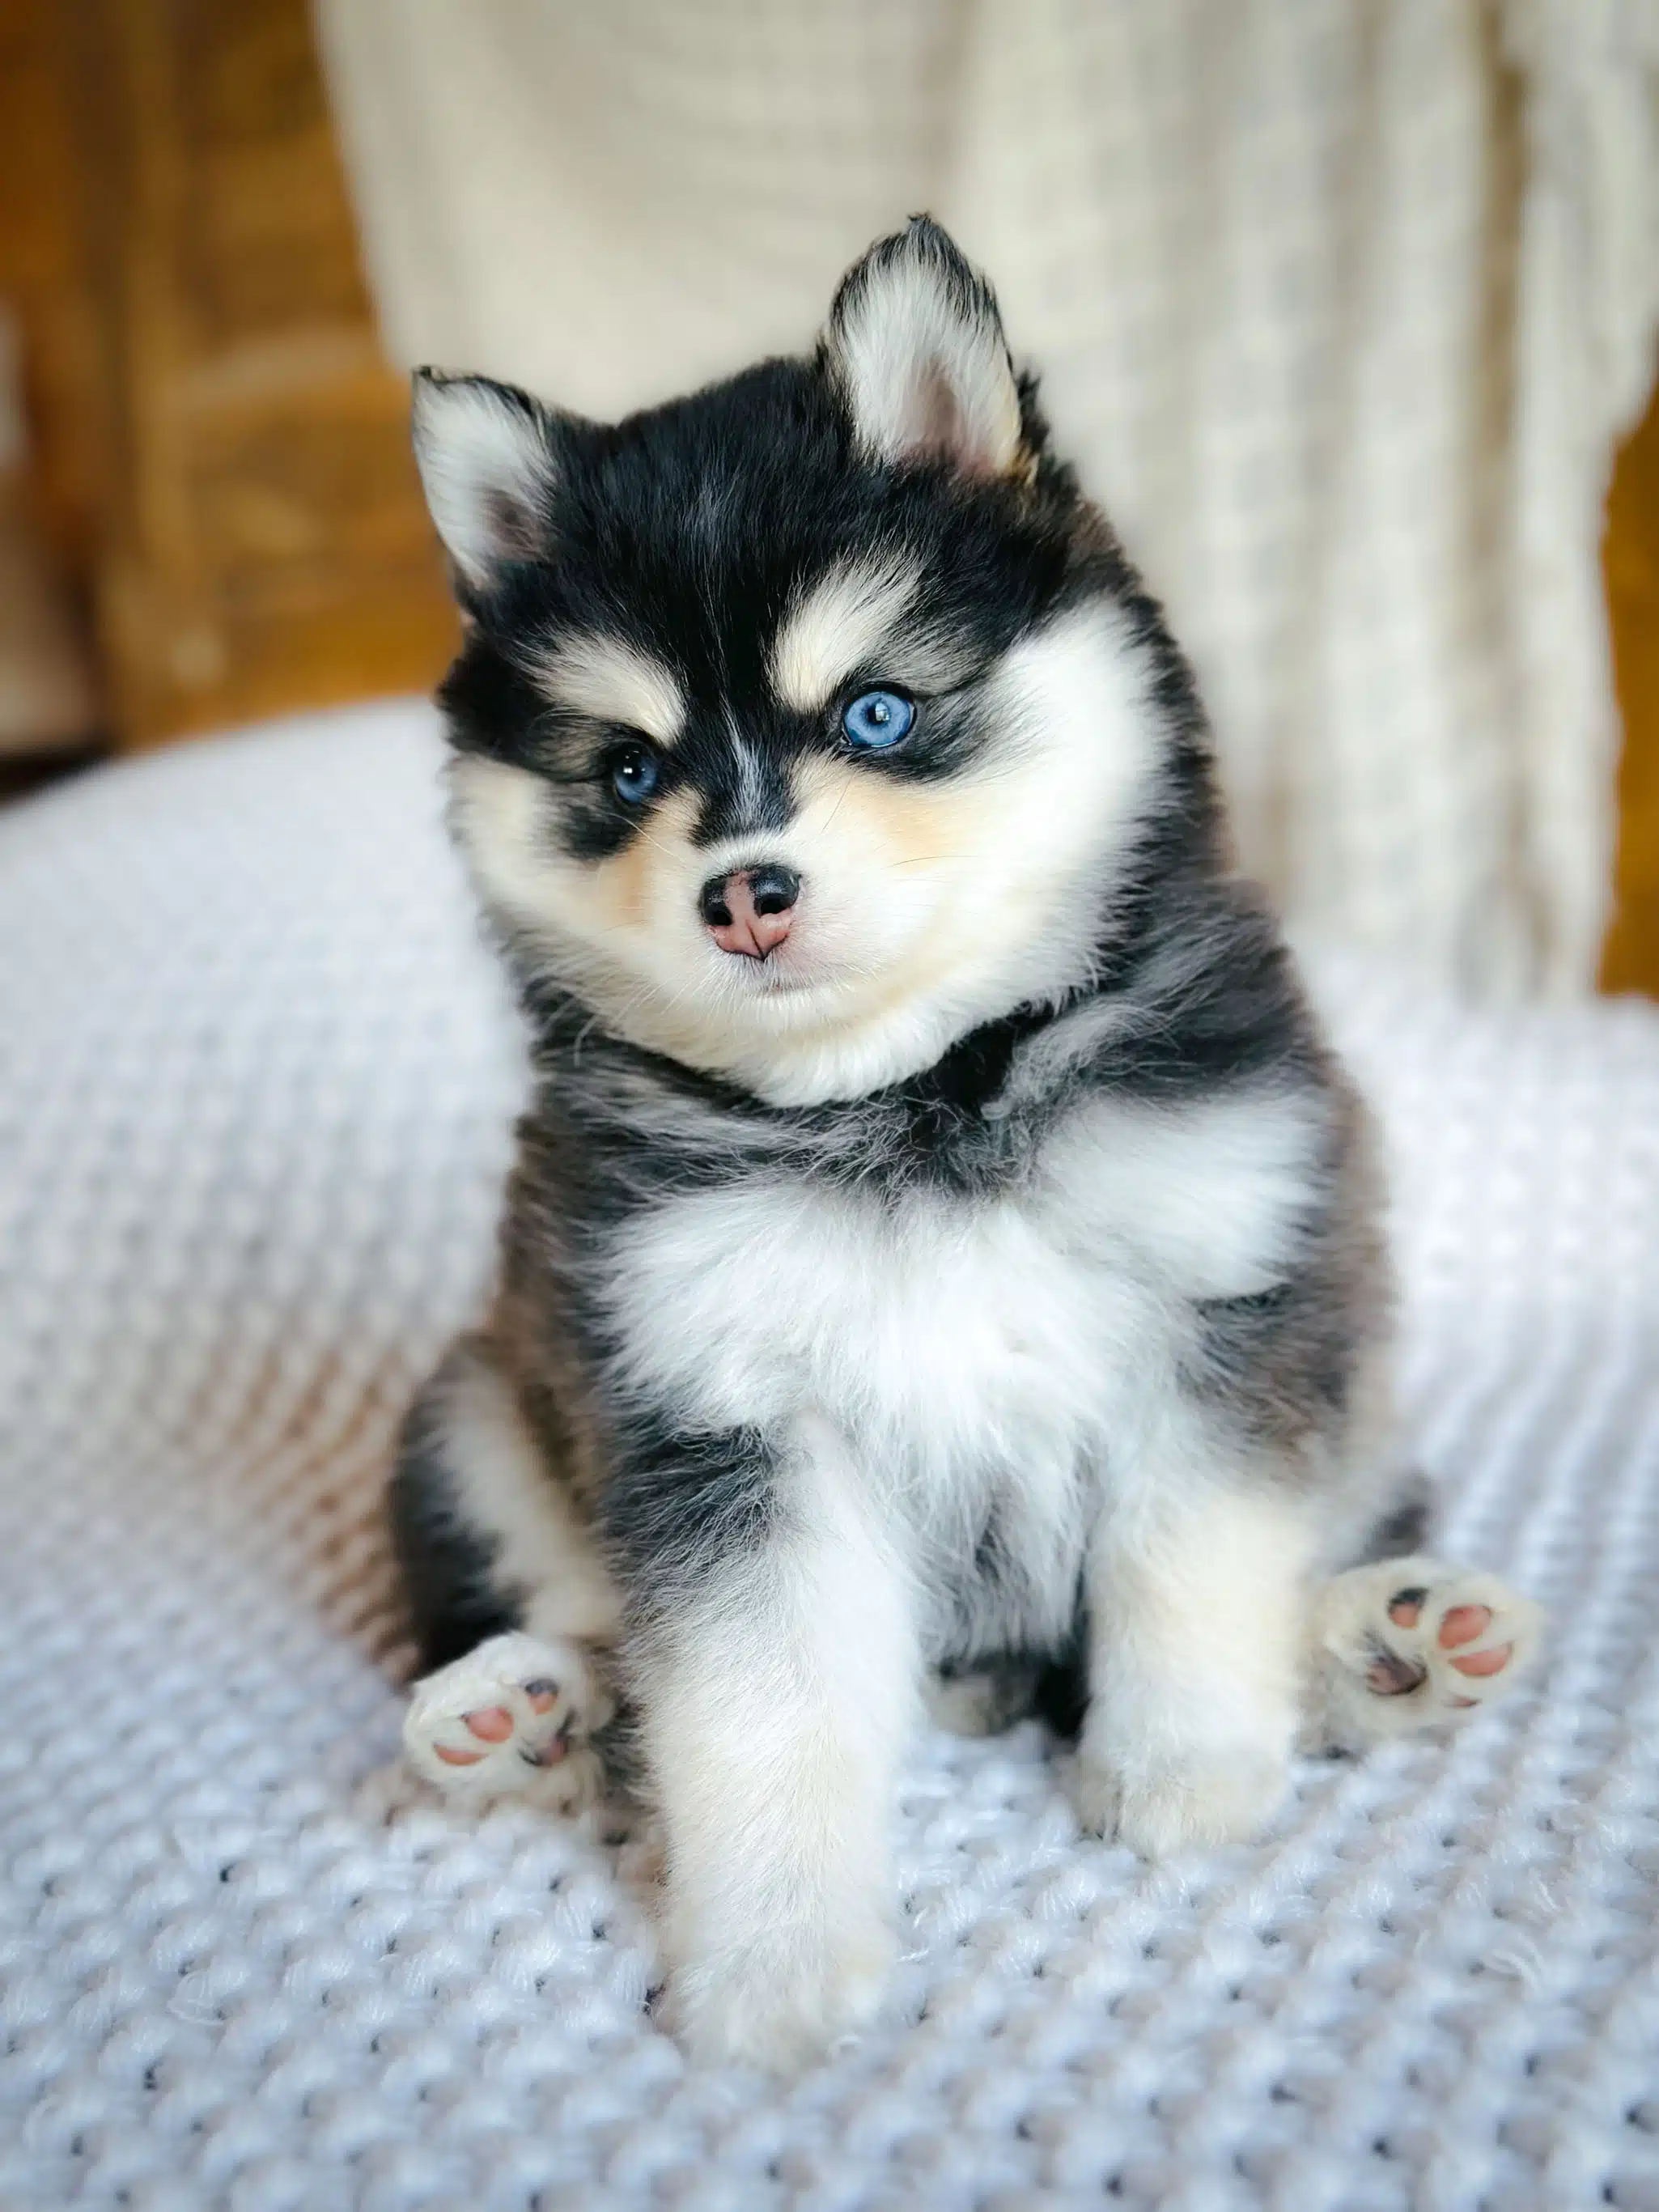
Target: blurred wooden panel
x,y
43,277
1630,560
263,543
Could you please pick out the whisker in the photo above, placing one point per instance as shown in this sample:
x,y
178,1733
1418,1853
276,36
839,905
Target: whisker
x,y
840,801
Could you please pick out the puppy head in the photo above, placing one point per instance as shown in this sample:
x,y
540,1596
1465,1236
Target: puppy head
x,y
802,725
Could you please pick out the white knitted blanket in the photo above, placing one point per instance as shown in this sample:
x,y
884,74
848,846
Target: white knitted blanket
x,y
258,1076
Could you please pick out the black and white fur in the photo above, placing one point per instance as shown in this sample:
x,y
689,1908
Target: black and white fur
x,y
977,1301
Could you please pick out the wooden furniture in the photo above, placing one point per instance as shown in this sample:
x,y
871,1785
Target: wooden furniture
x,y
256,540
1631,564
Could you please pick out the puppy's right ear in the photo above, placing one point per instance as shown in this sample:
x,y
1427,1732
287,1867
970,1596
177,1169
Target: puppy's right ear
x,y
488,458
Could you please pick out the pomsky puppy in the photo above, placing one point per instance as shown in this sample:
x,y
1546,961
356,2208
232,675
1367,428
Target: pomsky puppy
x,y
942,1266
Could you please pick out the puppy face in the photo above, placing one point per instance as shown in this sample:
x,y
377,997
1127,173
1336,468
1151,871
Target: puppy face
x,y
802,725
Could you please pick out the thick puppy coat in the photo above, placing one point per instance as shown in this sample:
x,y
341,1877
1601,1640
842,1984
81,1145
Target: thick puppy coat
x,y
976,1280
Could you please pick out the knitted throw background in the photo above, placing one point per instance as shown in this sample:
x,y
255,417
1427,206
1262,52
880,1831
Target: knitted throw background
x,y
1340,304
258,1076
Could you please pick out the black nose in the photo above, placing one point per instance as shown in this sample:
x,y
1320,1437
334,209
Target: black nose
x,y
774,889
771,891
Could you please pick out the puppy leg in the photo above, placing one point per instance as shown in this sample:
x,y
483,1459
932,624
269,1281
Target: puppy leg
x,y
1197,1596
1410,1644
508,1597
776,1682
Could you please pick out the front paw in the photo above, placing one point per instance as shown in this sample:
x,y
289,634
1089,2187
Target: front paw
x,y
1206,1798
781,1997
511,1717
1412,1643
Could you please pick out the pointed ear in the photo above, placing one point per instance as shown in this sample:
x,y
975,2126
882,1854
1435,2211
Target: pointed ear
x,y
488,458
916,344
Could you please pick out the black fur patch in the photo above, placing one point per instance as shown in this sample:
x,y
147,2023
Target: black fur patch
x,y
678,1505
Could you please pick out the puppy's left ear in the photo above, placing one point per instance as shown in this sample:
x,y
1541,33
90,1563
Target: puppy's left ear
x,y
915,344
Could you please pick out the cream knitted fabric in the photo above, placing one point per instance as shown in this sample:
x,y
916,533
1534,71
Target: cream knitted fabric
x,y
258,1074
1340,304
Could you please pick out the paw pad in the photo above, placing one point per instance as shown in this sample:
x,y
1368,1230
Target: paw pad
x,y
1414,1642
1392,1673
1435,1630
501,1716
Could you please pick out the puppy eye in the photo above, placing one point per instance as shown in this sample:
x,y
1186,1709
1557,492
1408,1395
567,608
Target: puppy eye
x,y
876,719
634,769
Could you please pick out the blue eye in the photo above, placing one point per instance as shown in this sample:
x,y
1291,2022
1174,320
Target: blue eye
x,y
876,719
634,772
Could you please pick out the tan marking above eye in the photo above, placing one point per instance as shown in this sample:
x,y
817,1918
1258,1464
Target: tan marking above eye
x,y
614,682
835,626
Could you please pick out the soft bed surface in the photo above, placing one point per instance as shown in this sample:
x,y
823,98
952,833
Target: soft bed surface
x,y
258,1079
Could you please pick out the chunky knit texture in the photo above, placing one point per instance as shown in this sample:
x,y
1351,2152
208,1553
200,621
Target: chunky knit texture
x,y
258,1073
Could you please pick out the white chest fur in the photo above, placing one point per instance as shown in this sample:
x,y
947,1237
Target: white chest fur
x,y
978,1354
